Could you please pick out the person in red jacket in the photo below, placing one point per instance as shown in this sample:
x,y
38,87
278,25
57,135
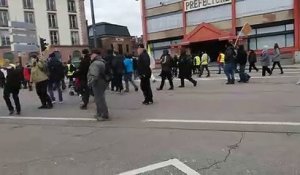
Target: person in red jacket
x,y
27,74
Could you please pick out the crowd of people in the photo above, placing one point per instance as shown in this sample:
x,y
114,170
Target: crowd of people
x,y
95,72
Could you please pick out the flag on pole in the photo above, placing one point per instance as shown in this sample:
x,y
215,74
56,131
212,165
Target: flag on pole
x,y
247,29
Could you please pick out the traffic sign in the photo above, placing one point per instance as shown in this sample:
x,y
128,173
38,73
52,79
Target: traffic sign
x,y
23,37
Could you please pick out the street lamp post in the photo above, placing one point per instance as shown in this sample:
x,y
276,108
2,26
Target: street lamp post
x,y
94,23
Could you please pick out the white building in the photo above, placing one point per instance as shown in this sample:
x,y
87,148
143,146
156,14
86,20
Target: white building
x,y
61,22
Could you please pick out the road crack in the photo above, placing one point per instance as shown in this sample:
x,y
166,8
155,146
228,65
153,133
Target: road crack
x,y
229,151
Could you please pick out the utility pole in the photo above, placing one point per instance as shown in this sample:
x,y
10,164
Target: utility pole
x,y
94,24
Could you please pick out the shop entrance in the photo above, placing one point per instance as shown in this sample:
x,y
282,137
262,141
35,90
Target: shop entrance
x,y
211,47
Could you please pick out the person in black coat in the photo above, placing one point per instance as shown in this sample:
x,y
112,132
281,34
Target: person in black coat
x,y
81,74
242,61
2,79
56,75
252,60
166,70
145,72
185,65
12,87
118,71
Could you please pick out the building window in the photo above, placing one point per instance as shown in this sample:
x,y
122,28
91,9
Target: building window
x,y
3,3
127,48
5,39
29,17
51,5
73,22
52,20
54,37
75,38
120,49
71,6
3,18
28,4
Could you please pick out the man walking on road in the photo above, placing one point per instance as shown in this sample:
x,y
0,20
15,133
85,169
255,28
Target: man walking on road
x,y
128,66
81,74
12,86
145,72
97,81
185,65
166,72
56,75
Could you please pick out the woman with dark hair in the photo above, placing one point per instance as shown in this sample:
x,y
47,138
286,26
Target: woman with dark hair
x,y
252,60
276,58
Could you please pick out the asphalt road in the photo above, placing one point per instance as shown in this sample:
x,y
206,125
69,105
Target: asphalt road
x,y
213,129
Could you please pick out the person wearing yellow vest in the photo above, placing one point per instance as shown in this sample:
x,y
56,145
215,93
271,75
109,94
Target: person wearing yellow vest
x,y
221,60
197,61
70,71
204,64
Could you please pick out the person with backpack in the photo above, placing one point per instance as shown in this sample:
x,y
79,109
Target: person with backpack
x,y
241,59
128,66
56,74
166,71
12,87
81,74
230,63
252,60
265,61
277,58
39,76
204,64
98,80
185,66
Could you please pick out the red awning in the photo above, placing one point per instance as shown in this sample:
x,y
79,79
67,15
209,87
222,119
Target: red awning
x,y
207,32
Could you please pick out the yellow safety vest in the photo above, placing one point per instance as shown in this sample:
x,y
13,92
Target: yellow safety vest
x,y
204,59
70,73
221,58
198,60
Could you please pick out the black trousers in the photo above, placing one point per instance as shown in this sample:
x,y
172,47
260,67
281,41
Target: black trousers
x,y
41,90
15,94
252,65
118,82
146,88
189,78
202,69
85,92
266,69
166,75
279,65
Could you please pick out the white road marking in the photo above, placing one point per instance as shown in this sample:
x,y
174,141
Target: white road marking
x,y
224,122
173,162
46,118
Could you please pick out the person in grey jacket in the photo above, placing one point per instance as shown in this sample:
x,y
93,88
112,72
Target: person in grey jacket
x,y
97,81
265,62
276,58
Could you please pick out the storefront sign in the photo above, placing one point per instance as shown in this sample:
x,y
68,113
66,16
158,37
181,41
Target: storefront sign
x,y
190,5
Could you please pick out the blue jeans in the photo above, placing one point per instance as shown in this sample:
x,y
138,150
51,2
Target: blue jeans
x,y
229,71
57,85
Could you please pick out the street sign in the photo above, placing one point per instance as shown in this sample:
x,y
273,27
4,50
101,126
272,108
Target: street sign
x,y
24,48
23,37
22,25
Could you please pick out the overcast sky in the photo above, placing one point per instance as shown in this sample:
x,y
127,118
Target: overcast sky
x,y
122,12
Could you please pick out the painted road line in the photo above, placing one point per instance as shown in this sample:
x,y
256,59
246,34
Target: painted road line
x,y
224,122
45,118
173,162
